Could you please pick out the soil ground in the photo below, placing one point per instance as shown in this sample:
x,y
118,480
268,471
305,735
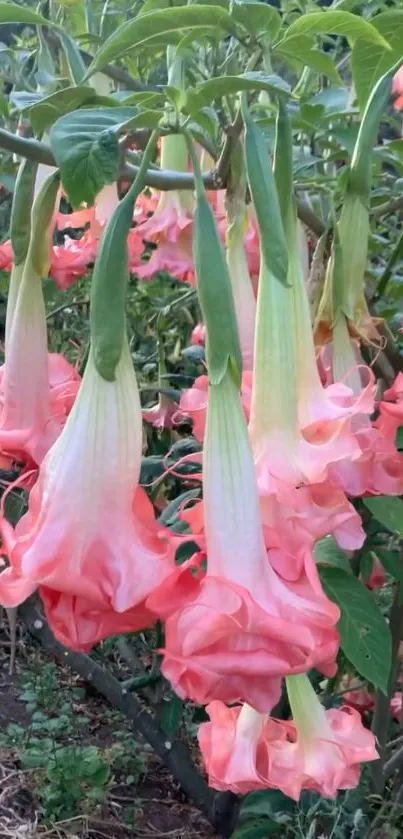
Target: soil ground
x,y
144,803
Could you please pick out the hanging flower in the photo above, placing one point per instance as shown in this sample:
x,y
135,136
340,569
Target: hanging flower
x,y
319,750
324,749
161,415
171,225
33,405
379,467
72,259
89,540
235,747
237,637
298,428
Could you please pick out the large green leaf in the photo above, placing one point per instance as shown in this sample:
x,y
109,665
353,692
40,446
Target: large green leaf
x,y
364,633
147,28
258,18
370,61
10,13
301,48
85,145
220,86
49,109
388,510
336,22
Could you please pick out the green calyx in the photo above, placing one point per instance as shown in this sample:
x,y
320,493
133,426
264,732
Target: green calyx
x,y
111,276
20,224
214,287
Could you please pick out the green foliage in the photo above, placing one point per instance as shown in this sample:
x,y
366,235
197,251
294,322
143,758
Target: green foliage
x,y
172,24
369,61
364,633
388,511
92,160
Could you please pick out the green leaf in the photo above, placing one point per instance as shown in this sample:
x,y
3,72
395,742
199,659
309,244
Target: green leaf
x,y
337,22
364,633
10,13
327,552
259,828
392,562
257,18
369,61
268,803
147,28
215,88
171,716
74,59
49,109
301,49
85,146
388,510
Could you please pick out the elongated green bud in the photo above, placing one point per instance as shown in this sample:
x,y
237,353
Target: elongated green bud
x,y
111,276
20,224
265,198
214,287
359,182
283,161
41,225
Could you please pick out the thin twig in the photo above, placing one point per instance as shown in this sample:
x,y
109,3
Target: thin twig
x,y
393,744
394,762
392,206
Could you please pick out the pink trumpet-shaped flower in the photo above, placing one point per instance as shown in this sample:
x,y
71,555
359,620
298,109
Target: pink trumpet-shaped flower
x,y
319,750
96,216
37,390
379,467
171,225
235,747
298,428
89,540
71,260
162,414
326,750
247,626
303,515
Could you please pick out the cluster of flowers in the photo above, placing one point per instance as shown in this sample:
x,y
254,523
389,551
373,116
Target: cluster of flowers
x,y
280,462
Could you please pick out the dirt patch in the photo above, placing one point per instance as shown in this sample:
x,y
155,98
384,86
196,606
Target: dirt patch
x,y
150,807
